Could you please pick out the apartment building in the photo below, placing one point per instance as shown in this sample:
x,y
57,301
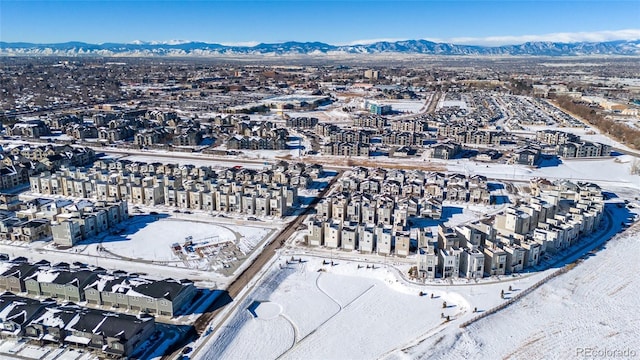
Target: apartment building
x,y
231,190
113,334
472,263
85,219
495,261
118,289
427,261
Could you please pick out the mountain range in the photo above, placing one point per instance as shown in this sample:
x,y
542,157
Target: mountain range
x,y
201,49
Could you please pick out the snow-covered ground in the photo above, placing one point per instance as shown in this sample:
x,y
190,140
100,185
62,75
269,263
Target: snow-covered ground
x,y
334,115
406,106
333,306
195,159
346,311
591,308
153,240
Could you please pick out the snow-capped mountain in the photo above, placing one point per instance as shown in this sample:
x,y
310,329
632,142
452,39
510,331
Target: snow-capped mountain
x,y
186,48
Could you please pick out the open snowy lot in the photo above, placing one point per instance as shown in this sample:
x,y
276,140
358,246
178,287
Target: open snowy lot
x,y
174,242
406,106
594,307
183,243
319,306
195,159
346,311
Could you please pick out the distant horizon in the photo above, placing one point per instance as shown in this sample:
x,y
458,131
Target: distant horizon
x,y
602,36
345,22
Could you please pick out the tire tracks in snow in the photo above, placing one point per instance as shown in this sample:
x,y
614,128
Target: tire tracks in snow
x,y
341,308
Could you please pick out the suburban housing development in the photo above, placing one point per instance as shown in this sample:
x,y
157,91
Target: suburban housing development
x,y
241,209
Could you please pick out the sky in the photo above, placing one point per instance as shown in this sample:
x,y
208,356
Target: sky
x,y
481,22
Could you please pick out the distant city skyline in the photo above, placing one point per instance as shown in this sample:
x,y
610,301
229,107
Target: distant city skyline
x,y
248,23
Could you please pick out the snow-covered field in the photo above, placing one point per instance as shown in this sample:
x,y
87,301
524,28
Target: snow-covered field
x,y
591,308
346,311
320,307
406,106
193,159
154,241
613,170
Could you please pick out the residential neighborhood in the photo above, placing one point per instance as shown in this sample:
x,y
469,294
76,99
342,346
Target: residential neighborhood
x,y
240,208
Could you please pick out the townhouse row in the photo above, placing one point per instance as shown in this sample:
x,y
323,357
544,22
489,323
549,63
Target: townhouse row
x,y
266,193
568,145
466,134
78,283
66,221
552,220
19,162
282,172
386,137
372,210
111,334
366,238
471,251
416,183
249,198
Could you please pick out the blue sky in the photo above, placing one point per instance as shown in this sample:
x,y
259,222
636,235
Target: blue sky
x,y
334,22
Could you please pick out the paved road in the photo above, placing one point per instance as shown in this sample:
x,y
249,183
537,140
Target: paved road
x,y
435,99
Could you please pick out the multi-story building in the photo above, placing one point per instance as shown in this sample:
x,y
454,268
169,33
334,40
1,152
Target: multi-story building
x,y
164,297
29,128
555,137
427,261
110,333
472,263
527,156
376,122
449,262
583,149
444,150
346,149
377,108
516,258
232,190
16,312
495,261
302,122
74,223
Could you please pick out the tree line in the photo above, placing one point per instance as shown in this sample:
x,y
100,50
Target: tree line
x,y
617,130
